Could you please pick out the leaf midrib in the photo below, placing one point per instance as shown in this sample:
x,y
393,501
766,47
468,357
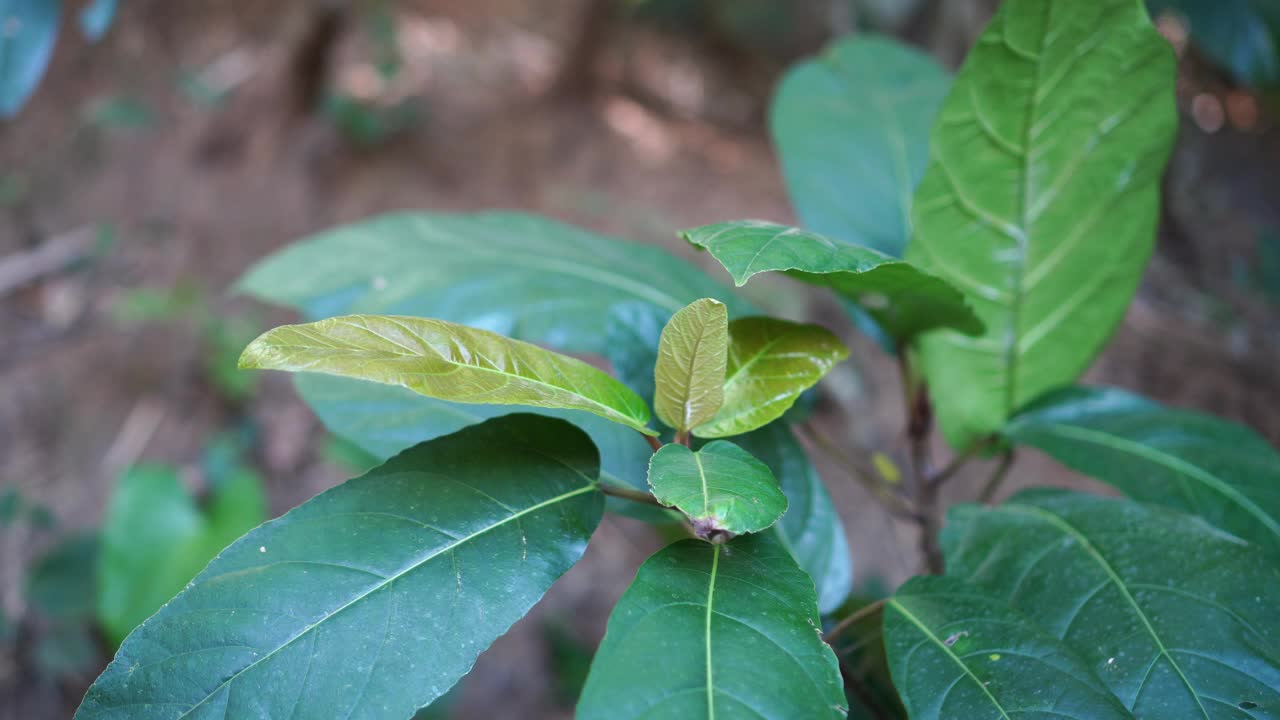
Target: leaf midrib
x,y
711,591
894,603
384,583
609,409
1172,462
1083,541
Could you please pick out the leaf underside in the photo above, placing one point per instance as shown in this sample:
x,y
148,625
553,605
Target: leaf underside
x,y
689,372
771,362
446,361
904,300
519,275
1041,199
375,597
715,631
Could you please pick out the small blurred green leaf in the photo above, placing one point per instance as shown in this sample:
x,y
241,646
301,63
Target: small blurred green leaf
x,y
28,30
156,538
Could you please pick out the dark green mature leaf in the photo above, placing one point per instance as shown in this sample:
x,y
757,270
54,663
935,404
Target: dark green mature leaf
x,y
1197,463
810,528
957,653
1041,198
446,361
852,131
519,275
28,30
1241,36
904,300
1177,618
155,539
385,419
61,584
721,487
710,631
689,374
632,334
771,362
373,598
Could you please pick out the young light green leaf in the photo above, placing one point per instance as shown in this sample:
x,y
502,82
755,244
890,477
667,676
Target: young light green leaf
x,y
155,539
734,630
771,362
446,361
28,30
1041,198
1176,617
721,487
373,598
811,527
852,131
689,374
1216,469
519,275
957,653
904,300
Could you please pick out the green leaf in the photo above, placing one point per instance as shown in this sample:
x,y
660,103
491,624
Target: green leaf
x,y
1177,618
811,527
852,132
710,631
375,597
771,362
633,332
28,30
155,539
689,374
523,276
903,300
1041,199
956,653
61,583
446,361
721,487
1197,463
385,419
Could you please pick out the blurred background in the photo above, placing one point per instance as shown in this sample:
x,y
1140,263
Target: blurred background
x,y
169,145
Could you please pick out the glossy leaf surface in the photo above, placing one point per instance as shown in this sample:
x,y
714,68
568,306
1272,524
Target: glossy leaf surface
x,y
1177,618
852,131
957,653
375,597
1196,463
715,631
771,362
1041,198
155,539
632,335
689,374
448,362
721,487
519,275
30,28
810,528
902,299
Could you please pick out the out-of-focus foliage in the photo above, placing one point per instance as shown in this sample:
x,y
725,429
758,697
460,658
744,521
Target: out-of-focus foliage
x,y
28,31
1241,36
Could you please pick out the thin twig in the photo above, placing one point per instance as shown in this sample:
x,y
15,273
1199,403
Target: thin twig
x,y
862,613
654,442
997,477
896,504
919,412
959,461
630,494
